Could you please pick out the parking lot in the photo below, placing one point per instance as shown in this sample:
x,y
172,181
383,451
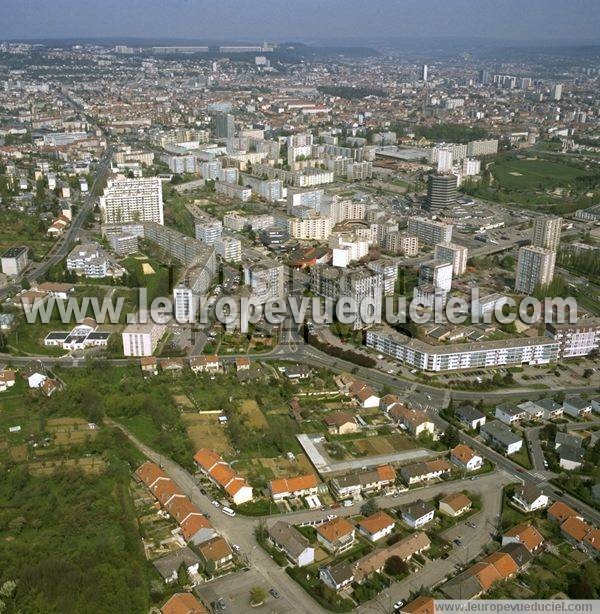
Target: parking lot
x,y
234,590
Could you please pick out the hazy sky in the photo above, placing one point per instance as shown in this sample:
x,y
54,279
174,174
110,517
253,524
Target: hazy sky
x,y
279,20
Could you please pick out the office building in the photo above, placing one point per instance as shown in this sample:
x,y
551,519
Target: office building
x,y
429,231
535,267
457,255
15,260
441,190
132,200
424,71
546,232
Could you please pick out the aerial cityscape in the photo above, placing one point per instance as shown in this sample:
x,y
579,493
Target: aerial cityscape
x,y
299,307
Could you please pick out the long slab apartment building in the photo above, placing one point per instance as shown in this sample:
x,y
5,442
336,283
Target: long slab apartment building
x,y
426,357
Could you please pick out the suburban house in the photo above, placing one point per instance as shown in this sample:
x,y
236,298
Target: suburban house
x,y
531,410
299,486
388,401
205,364
363,481
417,514
577,407
363,394
596,404
336,535
525,534
455,504
340,423
582,535
338,577
559,512
571,457
55,289
376,526
509,413
465,458
567,439
421,605
221,474
7,379
297,372
425,471
470,417
518,553
195,526
414,421
481,576
551,410
529,497
183,603
404,549
292,543
242,363
172,365
168,566
217,551
149,365
499,435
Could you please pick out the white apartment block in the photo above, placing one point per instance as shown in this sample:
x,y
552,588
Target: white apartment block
x,y
470,167
233,191
142,339
347,248
429,231
90,260
457,255
535,266
229,248
132,200
359,171
576,339
546,232
181,164
314,228
266,279
305,198
436,273
341,210
482,148
399,243
229,174
210,170
209,232
481,355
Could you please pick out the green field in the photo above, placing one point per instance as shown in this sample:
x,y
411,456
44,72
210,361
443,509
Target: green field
x,y
535,174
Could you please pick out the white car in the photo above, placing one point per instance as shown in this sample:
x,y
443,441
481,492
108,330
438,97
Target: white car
x,y
216,503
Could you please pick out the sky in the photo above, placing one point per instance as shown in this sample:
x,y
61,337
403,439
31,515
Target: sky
x,y
303,20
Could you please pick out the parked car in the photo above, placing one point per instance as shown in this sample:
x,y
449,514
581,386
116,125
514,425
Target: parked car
x,y
274,594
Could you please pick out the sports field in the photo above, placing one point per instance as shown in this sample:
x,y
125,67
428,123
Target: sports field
x,y
533,174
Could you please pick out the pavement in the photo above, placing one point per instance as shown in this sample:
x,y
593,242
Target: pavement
x,y
532,437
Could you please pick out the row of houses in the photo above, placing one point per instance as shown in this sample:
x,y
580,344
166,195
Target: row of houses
x,y
207,363
519,546
575,529
546,409
361,482
223,476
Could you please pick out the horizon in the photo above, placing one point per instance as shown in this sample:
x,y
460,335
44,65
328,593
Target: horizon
x,y
546,21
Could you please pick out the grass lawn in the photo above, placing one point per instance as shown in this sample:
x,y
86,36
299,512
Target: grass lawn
x,y
514,174
522,457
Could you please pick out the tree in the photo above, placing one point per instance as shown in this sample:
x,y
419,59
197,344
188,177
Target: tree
x,y
257,595
395,566
450,437
369,508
